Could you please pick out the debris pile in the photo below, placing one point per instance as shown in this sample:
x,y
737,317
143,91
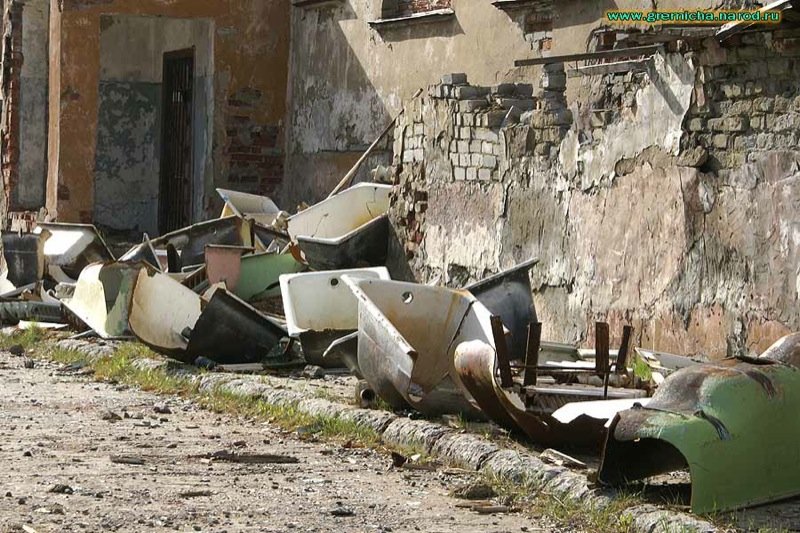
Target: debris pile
x,y
259,287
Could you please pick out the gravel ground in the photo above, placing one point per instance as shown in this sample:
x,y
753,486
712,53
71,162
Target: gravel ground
x,y
59,432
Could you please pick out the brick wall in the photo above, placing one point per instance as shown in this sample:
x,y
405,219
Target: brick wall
x,y
482,126
748,100
255,156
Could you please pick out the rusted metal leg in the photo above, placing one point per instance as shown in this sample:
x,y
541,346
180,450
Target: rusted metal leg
x,y
601,344
530,376
503,362
622,358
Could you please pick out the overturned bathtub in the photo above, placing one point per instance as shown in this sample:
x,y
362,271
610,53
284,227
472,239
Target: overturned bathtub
x,y
733,424
174,320
349,230
320,308
406,340
69,248
103,295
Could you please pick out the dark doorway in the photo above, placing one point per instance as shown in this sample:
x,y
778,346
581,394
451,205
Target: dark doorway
x,y
175,188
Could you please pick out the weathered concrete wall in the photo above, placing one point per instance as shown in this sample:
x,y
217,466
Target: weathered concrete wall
x,y
29,193
250,50
128,134
349,79
666,199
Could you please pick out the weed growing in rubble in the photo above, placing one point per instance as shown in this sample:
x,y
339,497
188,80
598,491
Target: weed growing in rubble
x,y
563,510
119,368
27,338
289,418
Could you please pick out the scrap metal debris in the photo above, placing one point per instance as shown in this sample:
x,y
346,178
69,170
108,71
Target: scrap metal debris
x,y
717,420
258,289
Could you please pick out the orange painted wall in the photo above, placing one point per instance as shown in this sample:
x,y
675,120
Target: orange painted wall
x,y
251,45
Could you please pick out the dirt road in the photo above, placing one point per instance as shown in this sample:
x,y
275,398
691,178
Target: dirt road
x,y
59,431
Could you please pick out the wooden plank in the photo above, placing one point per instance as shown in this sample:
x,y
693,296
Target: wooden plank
x,y
503,362
604,54
634,65
529,375
732,28
601,347
622,357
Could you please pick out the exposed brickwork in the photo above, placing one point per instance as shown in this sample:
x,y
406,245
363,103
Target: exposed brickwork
x,y
747,99
255,157
482,123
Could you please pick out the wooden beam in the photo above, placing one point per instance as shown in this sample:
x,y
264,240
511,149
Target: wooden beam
x,y
634,65
733,28
503,362
622,356
604,54
529,375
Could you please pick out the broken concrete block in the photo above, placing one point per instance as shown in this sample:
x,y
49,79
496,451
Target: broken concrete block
x,y
735,124
485,134
720,141
553,80
470,106
523,90
494,119
696,124
504,89
521,104
695,157
457,78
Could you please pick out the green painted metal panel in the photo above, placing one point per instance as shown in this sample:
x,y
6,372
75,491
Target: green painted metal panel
x,y
260,272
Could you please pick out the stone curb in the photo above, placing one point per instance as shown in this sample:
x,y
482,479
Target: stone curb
x,y
453,447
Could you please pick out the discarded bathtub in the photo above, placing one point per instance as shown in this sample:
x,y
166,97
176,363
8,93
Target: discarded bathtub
x,y
24,256
476,365
320,308
145,252
407,336
241,204
186,247
349,230
102,298
251,277
509,296
70,248
224,263
162,312
732,423
344,349
229,331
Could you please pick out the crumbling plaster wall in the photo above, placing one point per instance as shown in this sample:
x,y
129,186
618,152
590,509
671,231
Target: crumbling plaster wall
x,y
128,135
250,51
29,192
666,199
350,78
